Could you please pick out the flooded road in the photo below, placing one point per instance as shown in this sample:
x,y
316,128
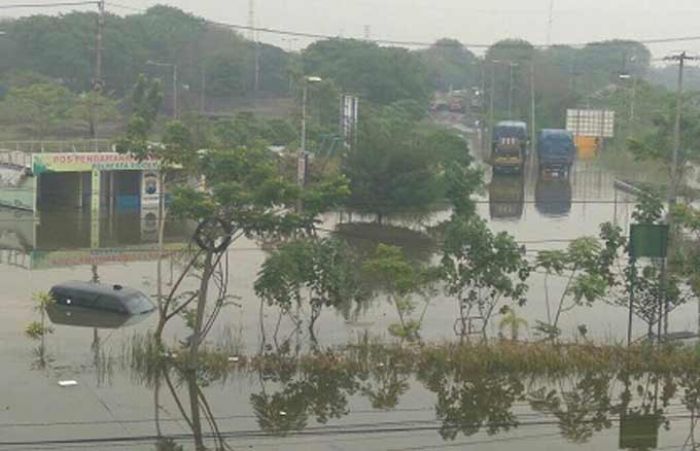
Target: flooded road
x,y
375,409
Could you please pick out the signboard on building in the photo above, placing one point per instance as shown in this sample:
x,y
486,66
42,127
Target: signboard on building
x,y
598,123
89,161
150,206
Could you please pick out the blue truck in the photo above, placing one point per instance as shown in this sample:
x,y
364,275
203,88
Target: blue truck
x,y
556,151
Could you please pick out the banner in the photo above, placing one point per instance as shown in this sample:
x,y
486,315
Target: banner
x,y
600,123
85,162
349,108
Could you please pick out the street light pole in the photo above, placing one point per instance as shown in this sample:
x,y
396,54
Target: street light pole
x,y
176,113
533,133
510,92
303,154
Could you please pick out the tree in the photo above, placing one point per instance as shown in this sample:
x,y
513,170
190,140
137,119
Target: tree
x,y
91,108
42,106
379,74
587,265
399,280
321,272
397,165
479,269
450,65
656,142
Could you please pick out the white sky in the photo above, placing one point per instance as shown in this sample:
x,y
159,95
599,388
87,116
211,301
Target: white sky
x,y
470,21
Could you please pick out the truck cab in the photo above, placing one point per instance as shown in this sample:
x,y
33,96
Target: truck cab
x,y
509,146
556,151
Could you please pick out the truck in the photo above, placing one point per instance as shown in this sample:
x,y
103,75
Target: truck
x,y
556,151
506,197
509,145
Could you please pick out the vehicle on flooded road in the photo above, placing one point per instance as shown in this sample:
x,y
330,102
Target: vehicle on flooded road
x,y
96,297
509,146
556,151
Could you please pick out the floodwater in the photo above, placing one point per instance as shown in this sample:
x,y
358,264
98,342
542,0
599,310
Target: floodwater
x,y
112,408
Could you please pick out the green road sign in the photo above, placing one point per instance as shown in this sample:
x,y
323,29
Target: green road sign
x,y
648,240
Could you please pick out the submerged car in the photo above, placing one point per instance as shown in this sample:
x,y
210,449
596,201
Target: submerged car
x,y
96,297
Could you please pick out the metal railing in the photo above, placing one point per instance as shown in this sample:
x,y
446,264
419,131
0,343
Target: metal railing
x,y
63,146
15,158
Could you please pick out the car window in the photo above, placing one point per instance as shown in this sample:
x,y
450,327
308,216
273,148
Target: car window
x,y
109,304
139,303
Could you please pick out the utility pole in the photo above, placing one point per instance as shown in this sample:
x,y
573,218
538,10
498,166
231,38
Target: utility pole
x,y
681,58
176,113
673,188
482,108
533,122
491,107
256,47
97,76
97,82
549,23
510,91
203,91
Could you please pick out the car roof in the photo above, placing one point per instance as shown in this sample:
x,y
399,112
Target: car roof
x,y
96,288
519,124
555,131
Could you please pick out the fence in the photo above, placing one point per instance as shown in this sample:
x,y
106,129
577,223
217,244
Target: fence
x,y
83,145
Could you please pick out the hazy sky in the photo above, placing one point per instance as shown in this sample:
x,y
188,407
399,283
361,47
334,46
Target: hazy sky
x,y
470,21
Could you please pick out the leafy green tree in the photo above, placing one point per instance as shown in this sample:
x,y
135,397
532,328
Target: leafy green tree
x,y
587,266
41,106
317,272
92,108
379,74
656,142
511,322
399,280
480,269
451,65
397,165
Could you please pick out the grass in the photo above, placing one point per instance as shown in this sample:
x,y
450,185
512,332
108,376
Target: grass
x,y
502,357
624,166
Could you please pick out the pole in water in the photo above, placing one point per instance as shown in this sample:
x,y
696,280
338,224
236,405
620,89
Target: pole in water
x,y
631,307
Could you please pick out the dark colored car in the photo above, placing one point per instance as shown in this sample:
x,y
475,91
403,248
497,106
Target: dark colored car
x,y
63,315
113,299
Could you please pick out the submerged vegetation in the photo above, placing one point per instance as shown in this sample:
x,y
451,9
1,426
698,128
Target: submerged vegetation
x,y
581,388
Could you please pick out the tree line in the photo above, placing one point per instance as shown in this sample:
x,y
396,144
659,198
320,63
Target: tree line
x,y
216,64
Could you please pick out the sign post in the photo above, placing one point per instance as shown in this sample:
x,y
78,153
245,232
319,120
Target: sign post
x,y
650,241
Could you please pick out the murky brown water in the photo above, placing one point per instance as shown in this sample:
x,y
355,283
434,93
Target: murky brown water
x,y
35,413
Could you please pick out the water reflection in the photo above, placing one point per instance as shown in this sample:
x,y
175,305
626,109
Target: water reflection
x,y
60,238
553,195
290,391
506,197
364,237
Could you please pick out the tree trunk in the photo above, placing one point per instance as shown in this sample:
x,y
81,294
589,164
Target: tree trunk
x,y
201,306
194,407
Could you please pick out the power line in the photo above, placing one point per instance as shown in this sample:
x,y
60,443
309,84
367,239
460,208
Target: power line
x,y
407,43
48,5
